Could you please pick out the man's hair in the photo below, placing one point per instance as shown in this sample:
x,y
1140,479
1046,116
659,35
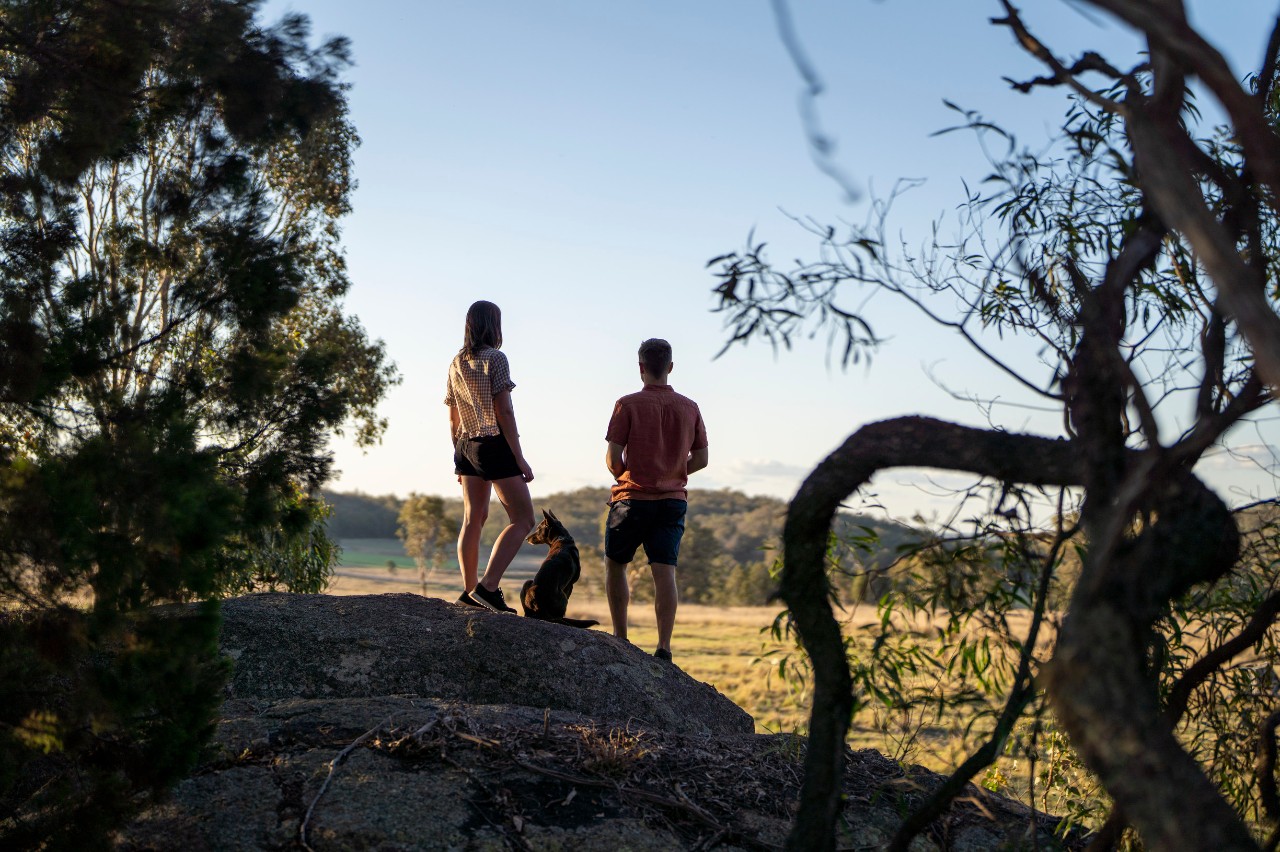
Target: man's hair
x,y
655,355
484,328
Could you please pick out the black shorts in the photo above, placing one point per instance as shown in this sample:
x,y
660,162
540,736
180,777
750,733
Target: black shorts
x,y
656,524
489,458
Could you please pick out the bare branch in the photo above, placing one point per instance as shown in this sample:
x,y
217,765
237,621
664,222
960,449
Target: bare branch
x,y
821,146
1061,73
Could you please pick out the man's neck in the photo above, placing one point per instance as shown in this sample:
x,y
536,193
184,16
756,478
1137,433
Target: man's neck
x,y
650,381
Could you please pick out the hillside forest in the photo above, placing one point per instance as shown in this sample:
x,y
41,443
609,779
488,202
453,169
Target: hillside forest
x,y
728,556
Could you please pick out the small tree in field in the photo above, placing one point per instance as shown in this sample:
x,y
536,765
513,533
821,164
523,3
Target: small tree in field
x,y
1144,263
427,532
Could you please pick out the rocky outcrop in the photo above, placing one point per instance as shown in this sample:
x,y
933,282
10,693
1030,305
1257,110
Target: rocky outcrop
x,y
396,722
322,646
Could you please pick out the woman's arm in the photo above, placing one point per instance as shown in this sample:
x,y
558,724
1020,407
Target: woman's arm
x,y
506,415
455,424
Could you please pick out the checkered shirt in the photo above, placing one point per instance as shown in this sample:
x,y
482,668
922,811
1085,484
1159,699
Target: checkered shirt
x,y
474,380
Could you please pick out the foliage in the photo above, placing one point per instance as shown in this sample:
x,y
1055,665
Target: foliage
x,y
1134,255
359,515
427,532
174,357
933,664
295,555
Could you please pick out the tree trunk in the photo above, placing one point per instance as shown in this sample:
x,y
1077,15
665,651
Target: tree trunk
x,y
1098,680
1104,689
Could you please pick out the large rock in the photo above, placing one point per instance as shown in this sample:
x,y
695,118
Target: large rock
x,y
322,646
400,723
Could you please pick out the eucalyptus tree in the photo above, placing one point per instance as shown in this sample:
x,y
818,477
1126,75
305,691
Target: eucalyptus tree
x,y
175,356
1143,263
426,532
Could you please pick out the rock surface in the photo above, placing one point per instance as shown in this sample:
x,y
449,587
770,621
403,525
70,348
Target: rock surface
x,y
395,722
322,646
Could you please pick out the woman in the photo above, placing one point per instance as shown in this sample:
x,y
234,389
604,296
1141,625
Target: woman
x,y
486,453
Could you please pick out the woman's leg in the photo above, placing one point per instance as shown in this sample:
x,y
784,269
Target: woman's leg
x,y
513,492
475,510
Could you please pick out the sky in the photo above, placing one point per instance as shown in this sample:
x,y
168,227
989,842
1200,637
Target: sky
x,y
578,162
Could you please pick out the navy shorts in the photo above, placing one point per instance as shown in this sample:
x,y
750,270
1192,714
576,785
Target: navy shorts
x,y
489,458
656,524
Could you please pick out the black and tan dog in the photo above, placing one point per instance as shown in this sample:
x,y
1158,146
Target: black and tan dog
x,y
546,596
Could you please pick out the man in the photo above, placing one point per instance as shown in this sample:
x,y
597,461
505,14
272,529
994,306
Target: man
x,y
656,439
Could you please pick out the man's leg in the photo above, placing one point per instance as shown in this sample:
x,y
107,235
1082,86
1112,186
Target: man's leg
x,y
665,598
618,592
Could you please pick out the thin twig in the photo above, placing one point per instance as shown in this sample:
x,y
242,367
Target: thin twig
x,y
333,769
1019,696
821,146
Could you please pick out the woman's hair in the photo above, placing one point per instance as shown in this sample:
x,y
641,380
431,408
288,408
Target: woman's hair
x,y
484,328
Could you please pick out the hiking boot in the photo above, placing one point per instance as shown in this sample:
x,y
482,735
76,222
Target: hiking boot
x,y
663,654
466,600
492,600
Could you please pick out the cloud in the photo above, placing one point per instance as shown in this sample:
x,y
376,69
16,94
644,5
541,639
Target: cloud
x,y
1245,456
768,468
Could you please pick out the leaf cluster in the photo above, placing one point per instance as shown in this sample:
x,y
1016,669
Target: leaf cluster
x,y
174,356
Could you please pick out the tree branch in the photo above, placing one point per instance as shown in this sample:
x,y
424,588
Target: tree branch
x,y
903,442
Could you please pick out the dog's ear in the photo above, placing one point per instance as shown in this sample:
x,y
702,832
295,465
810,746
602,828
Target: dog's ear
x,y
550,516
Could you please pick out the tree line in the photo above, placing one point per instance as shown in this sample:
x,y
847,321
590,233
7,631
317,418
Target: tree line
x,y
728,556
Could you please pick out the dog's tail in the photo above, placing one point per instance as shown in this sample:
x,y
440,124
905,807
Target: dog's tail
x,y
527,600
578,622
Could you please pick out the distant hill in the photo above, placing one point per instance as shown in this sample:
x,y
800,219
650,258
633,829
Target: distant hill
x,y
360,515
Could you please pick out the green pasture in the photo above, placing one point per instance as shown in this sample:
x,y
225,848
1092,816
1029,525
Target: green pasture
x,y
375,552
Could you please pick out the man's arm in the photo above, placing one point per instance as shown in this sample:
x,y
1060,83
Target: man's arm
x,y
614,461
697,461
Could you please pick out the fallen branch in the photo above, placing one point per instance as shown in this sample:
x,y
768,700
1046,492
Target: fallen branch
x,y
333,770
682,805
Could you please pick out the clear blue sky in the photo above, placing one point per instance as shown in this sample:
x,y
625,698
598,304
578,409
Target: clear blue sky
x,y
579,161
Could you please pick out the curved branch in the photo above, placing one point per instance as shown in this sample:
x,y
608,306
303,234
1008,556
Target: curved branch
x,y
1100,682
1199,671
901,442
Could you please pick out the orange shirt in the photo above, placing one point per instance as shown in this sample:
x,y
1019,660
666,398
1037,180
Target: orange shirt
x,y
659,428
